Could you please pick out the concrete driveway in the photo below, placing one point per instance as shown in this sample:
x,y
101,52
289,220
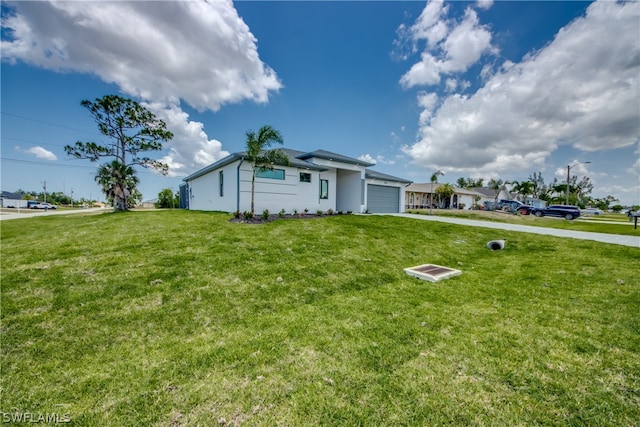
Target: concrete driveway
x,y
615,239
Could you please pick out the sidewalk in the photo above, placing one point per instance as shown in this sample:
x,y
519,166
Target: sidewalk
x,y
615,239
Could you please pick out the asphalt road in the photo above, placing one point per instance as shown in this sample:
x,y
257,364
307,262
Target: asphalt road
x,y
30,213
615,239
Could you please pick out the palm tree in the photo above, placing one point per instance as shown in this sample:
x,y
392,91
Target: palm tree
x,y
445,192
260,158
118,182
434,180
496,185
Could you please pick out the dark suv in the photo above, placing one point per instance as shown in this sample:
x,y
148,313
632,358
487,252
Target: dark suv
x,y
562,211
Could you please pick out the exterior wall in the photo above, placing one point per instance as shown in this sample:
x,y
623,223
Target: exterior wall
x,y
347,189
420,200
401,195
349,194
13,203
289,194
204,191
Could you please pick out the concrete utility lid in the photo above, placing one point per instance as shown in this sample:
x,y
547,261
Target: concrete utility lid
x,y
432,272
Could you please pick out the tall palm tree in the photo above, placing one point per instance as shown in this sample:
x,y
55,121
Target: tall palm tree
x,y
496,185
260,158
434,180
118,182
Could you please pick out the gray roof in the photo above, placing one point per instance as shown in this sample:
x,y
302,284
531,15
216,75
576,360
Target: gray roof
x,y
426,187
213,166
371,174
11,196
328,155
301,160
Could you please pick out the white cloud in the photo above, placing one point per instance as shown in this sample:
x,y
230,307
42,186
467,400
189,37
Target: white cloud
x,y
367,158
41,153
428,102
581,89
484,4
429,25
466,43
451,47
199,52
378,160
190,149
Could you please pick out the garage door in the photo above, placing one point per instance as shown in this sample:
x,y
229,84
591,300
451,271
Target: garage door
x,y
383,199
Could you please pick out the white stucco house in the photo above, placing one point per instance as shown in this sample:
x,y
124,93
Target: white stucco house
x,y
319,180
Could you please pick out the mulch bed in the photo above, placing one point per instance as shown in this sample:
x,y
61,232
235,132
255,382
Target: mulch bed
x,y
257,219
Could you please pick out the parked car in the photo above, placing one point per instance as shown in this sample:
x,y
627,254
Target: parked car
x,y
591,211
563,211
43,206
514,206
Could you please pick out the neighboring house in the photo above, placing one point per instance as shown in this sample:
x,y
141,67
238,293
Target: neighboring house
x,y
418,196
319,180
148,204
12,200
489,194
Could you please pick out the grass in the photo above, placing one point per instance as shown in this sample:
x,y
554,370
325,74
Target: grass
x,y
608,223
181,318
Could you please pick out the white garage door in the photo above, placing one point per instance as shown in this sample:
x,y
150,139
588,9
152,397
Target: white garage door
x,y
383,199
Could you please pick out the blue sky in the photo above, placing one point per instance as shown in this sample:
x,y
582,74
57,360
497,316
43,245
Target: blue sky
x,y
475,89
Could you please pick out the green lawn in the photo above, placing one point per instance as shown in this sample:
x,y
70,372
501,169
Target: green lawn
x,y
173,318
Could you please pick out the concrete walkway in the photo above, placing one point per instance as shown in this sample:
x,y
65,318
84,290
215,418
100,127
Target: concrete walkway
x,y
615,239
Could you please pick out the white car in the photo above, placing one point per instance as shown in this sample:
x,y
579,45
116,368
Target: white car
x,y
44,206
591,211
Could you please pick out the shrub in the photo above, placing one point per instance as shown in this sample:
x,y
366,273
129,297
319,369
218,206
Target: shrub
x,y
330,211
236,214
319,212
281,214
265,214
247,215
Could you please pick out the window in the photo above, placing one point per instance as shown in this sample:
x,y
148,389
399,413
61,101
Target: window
x,y
270,174
221,183
305,177
324,189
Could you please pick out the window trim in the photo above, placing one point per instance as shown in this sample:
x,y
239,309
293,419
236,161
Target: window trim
x,y
306,174
221,183
269,174
325,183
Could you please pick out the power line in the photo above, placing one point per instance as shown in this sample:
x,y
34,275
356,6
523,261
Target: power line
x,y
30,141
47,123
6,159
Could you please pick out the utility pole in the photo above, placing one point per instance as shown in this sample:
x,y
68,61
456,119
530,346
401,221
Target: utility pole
x,y
71,197
44,186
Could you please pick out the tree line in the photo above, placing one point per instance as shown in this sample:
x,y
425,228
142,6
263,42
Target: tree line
x,y
554,192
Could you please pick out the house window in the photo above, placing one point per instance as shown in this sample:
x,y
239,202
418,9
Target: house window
x,y
324,189
270,174
305,177
221,183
